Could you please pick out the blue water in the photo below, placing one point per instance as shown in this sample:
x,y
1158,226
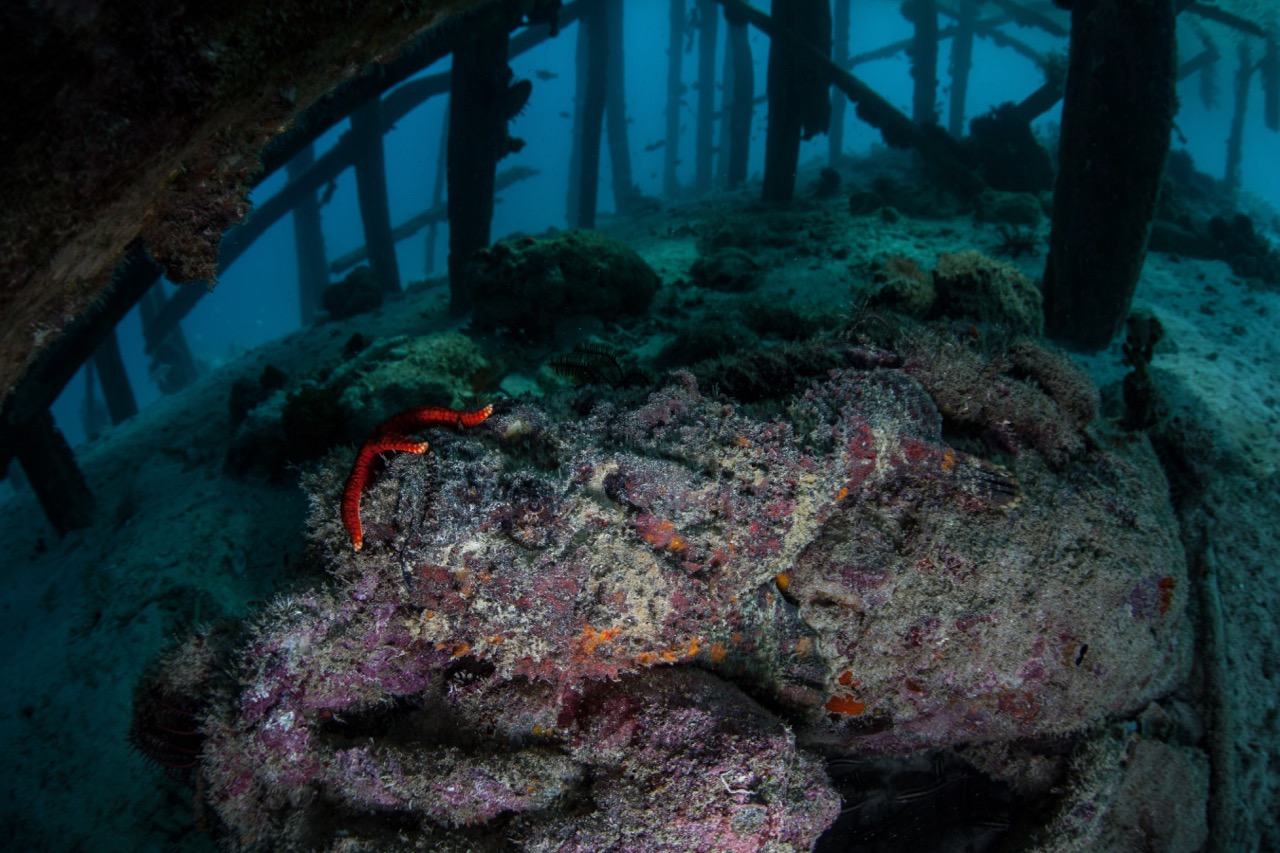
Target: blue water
x,y
255,300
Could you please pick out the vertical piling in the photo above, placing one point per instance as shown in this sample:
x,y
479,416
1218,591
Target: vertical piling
x,y
615,110
481,102
840,55
371,191
675,92
708,31
1271,83
960,65
51,468
1117,117
799,104
1240,108
740,87
114,379
592,89
308,241
923,15
437,196
172,366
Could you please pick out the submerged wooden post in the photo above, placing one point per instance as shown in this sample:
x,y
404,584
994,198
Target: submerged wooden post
x,y
726,94
51,468
708,27
172,366
481,103
896,129
923,15
1240,106
116,390
675,88
1271,83
961,63
371,189
615,111
437,198
840,55
58,363
428,218
308,241
592,89
1117,117
799,106
740,85
94,414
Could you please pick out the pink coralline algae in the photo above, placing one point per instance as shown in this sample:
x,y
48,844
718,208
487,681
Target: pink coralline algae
x,y
646,630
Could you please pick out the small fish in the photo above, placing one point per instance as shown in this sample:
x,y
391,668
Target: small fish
x,y
544,74
654,146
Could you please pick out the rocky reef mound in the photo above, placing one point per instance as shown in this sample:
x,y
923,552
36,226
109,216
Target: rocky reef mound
x,y
647,628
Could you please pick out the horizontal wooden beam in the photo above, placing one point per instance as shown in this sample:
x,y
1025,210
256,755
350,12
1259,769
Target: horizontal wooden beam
x,y
435,213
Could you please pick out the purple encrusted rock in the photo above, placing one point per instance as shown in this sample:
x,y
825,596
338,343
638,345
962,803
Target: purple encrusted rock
x,y
643,630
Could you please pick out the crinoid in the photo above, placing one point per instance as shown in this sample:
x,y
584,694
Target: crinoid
x,y
590,362
1016,242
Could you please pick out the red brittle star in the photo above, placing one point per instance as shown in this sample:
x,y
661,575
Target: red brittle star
x,y
391,435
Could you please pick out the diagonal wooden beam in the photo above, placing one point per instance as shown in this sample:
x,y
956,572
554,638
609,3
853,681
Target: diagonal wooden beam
x,y
897,129
324,170
435,213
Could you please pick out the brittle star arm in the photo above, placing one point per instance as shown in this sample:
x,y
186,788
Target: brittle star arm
x,y
389,436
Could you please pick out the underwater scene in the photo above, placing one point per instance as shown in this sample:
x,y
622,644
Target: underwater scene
x,y
672,425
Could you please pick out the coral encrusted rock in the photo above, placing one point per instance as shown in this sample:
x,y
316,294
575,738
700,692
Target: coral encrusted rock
x,y
527,284
645,629
969,284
